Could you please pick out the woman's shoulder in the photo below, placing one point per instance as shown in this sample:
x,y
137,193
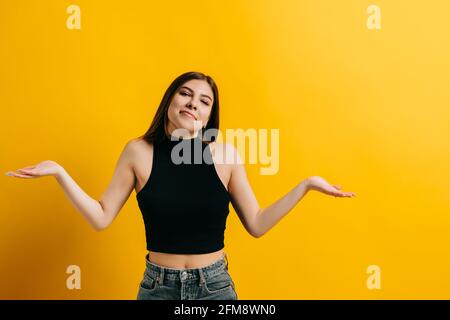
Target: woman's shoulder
x,y
137,148
138,143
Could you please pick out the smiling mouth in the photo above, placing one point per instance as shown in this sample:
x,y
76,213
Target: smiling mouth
x,y
188,114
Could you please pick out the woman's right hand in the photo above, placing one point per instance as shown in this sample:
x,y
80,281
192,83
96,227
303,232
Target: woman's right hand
x,y
44,168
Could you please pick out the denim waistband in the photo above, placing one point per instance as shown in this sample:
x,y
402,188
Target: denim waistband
x,y
161,273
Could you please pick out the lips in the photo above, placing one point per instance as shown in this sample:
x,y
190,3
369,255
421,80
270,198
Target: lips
x,y
188,113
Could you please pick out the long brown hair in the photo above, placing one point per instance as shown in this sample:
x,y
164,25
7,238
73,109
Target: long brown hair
x,y
157,132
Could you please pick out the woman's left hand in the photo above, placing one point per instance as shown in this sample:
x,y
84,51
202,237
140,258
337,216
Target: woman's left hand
x,y
319,184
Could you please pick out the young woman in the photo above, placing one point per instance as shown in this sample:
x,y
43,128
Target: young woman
x,y
184,204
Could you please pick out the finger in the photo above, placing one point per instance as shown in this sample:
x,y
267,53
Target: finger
x,y
338,187
343,194
337,194
349,194
18,175
26,171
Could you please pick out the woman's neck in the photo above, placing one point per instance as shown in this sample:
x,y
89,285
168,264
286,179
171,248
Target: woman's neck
x,y
174,136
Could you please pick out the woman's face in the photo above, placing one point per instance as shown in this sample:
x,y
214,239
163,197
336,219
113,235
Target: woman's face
x,y
191,102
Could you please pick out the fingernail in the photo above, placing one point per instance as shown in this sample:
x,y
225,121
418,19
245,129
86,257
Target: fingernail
x,y
8,174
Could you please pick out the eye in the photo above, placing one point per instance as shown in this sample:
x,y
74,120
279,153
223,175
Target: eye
x,y
184,93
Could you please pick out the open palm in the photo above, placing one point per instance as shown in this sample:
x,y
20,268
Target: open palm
x,y
44,168
319,184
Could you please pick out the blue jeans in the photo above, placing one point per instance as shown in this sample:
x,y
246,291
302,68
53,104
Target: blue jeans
x,y
212,282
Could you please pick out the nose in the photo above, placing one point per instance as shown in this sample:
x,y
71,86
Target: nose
x,y
191,105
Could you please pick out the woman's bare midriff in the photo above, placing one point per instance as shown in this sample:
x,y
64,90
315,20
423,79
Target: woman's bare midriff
x,y
184,261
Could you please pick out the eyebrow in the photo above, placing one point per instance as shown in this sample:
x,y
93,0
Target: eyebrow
x,y
193,91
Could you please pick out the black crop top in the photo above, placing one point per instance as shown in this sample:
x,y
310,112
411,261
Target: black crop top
x,y
184,206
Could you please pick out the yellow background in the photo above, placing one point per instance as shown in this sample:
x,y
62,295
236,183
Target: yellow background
x,y
367,109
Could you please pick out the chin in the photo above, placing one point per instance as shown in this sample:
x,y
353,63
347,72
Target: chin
x,y
188,123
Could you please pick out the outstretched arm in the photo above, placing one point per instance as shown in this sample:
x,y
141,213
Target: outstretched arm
x,y
99,213
258,221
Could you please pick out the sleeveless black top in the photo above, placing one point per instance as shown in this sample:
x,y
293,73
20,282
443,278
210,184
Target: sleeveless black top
x,y
184,205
